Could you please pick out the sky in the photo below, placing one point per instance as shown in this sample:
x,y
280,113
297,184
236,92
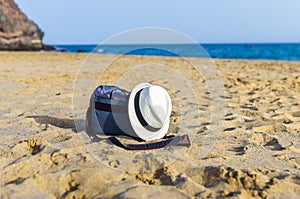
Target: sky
x,y
206,21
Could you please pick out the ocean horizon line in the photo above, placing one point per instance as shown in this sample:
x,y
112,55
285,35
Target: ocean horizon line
x,y
251,51
208,43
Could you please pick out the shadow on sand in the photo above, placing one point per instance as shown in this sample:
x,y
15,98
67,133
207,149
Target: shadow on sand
x,y
76,125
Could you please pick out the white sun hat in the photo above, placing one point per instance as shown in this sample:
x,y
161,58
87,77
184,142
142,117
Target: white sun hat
x,y
149,110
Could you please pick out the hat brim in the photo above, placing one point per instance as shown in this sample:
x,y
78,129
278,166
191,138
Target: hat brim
x,y
138,128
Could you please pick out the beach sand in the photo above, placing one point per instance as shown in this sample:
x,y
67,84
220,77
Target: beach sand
x,y
255,153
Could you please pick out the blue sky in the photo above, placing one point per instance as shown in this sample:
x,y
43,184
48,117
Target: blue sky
x,y
209,21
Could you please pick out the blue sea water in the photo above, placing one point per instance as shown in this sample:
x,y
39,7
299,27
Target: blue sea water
x,y
280,51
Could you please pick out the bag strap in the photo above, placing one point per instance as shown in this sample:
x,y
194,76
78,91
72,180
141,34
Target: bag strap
x,y
110,108
183,140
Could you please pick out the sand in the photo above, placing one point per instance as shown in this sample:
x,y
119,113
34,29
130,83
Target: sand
x,y
255,151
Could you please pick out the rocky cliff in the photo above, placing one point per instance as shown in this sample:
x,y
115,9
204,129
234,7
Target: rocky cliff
x,y
17,32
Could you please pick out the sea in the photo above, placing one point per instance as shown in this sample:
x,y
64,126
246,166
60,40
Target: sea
x,y
251,51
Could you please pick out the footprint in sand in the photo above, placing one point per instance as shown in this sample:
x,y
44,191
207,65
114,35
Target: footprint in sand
x,y
239,181
59,159
274,141
31,146
296,114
